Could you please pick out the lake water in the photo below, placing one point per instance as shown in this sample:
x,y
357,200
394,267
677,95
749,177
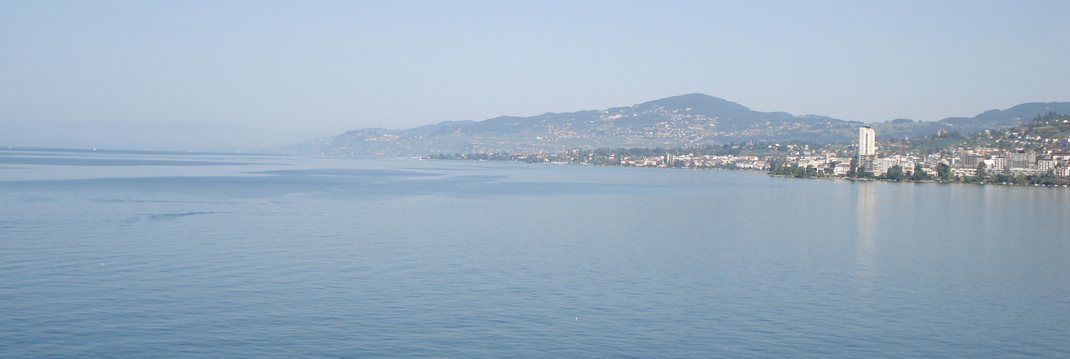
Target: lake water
x,y
124,254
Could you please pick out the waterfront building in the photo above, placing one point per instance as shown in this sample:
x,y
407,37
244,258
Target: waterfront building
x,y
964,172
1022,159
999,163
1043,166
841,169
881,166
1024,171
972,161
1062,171
867,149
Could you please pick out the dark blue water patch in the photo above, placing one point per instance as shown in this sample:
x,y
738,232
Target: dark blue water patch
x,y
152,188
37,199
347,173
454,166
375,184
509,188
450,169
68,161
176,215
102,200
48,151
77,154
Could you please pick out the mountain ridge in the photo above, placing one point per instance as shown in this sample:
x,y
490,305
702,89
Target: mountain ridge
x,y
685,120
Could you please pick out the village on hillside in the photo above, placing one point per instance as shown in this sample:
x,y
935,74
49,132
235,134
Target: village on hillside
x,y
1036,153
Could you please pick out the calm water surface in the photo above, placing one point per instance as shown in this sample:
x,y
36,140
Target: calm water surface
x,y
124,254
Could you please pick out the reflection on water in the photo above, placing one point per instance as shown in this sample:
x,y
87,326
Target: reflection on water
x,y
864,250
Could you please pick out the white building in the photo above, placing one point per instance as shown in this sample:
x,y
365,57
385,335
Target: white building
x,y
1043,166
1022,159
867,149
882,165
1062,171
999,164
841,169
867,141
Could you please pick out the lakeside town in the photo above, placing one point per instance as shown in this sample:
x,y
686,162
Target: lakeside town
x,y
1036,153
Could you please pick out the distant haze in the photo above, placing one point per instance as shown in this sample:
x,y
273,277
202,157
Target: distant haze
x,y
334,66
150,136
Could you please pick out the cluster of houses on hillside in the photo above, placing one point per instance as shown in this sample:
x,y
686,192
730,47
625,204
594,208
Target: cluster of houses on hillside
x,y
962,162
1040,163
747,162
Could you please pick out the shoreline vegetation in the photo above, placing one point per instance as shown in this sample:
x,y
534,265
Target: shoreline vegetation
x,y
942,175
1035,154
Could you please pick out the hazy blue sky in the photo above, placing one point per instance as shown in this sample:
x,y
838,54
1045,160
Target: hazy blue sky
x,y
338,66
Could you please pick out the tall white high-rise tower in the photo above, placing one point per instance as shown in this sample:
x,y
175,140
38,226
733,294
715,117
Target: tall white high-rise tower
x,y
867,142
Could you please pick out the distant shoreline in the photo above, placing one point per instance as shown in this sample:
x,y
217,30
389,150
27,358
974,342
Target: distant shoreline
x,y
758,170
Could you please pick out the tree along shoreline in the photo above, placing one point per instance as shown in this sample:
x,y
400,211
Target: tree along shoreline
x,y
942,174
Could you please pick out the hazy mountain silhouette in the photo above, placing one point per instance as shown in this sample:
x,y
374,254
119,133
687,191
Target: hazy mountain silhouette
x,y
686,120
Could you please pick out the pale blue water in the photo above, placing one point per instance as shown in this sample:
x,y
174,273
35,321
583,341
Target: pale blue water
x,y
176,255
